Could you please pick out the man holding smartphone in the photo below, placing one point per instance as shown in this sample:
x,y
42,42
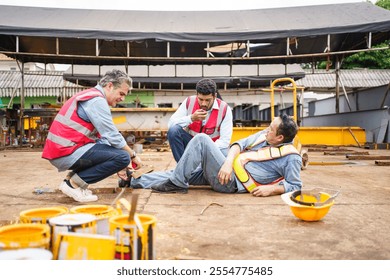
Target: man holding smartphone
x,y
201,113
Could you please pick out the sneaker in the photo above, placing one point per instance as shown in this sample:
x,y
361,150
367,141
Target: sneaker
x,y
69,175
78,194
169,187
87,191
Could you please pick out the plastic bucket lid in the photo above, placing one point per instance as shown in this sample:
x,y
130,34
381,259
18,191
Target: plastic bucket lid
x,y
72,219
26,254
101,212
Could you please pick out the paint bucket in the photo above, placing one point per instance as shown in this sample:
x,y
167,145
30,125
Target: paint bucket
x,y
41,215
18,236
133,242
102,214
84,246
26,254
80,223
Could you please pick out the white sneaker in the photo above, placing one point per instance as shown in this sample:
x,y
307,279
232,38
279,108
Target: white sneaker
x,y
70,174
78,194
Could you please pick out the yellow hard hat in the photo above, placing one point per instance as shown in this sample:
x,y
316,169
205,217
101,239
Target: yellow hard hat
x,y
310,205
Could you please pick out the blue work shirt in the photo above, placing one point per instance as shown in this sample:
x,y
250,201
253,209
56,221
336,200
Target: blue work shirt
x,y
265,172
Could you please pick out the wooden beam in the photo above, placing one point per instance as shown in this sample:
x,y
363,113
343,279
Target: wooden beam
x,y
330,163
370,157
335,153
382,162
330,149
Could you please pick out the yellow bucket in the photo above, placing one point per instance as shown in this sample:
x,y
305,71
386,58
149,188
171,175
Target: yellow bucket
x,y
80,223
132,242
102,214
41,215
84,246
19,236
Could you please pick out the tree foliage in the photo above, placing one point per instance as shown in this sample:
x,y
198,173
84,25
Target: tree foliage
x,y
370,59
385,4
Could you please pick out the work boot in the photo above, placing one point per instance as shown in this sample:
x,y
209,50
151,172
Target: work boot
x,y
168,187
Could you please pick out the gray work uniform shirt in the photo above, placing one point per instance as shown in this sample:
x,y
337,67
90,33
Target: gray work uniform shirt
x,y
265,172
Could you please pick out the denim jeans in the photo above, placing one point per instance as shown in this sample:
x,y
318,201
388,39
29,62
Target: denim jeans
x,y
146,181
178,140
200,151
100,162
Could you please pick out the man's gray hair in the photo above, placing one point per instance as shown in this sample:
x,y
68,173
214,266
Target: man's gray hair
x,y
117,78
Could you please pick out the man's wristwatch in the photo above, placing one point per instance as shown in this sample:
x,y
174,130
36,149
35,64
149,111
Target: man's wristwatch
x,y
134,155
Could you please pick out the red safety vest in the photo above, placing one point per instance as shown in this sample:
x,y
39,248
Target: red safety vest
x,y
262,154
68,131
213,126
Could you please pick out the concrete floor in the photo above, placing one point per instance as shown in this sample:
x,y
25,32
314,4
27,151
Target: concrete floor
x,y
207,225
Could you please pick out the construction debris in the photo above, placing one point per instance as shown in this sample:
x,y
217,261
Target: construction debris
x,y
382,162
370,157
212,203
346,152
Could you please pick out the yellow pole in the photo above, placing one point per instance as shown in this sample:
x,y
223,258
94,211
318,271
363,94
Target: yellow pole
x,y
294,96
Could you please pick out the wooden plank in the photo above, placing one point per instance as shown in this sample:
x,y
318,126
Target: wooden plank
x,y
143,170
330,163
335,149
369,157
382,162
346,153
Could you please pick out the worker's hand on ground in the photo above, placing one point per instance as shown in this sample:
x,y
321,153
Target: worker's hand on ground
x,y
267,190
123,174
136,163
225,173
199,115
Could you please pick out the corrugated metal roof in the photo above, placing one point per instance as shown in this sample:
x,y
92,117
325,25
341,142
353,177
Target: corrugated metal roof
x,y
50,79
188,33
362,78
36,83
